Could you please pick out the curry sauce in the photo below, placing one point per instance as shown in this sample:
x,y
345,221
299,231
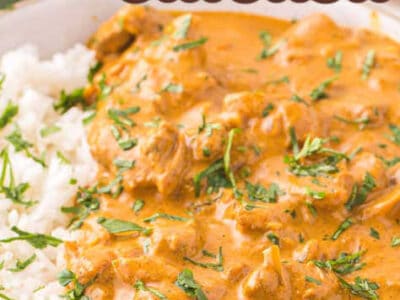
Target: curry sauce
x,y
240,157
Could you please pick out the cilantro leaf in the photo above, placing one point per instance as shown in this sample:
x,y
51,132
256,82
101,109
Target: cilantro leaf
x,y
37,240
359,193
187,283
10,111
115,226
140,286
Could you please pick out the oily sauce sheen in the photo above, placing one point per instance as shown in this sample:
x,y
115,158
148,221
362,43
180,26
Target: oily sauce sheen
x,y
240,157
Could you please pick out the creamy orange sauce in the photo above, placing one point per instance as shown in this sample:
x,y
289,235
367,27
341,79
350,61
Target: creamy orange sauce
x,y
270,246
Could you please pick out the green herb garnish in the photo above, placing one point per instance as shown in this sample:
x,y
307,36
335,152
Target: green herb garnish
x,y
320,91
187,283
298,99
67,277
172,88
121,117
115,226
389,162
342,228
67,101
140,286
257,192
123,165
361,287
267,109
395,138
105,90
86,203
11,191
190,45
21,265
395,241
93,70
374,233
274,239
62,158
46,131
268,50
157,216
315,194
36,240
368,64
344,264
312,280
335,62
215,177
214,266
312,147
208,128
8,114
361,122
359,193
137,205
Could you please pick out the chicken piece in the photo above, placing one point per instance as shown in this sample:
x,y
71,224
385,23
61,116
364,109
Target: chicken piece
x,y
303,40
208,145
292,280
161,161
271,217
269,281
367,162
238,108
169,290
176,240
145,268
290,114
313,282
119,32
386,204
307,252
170,78
161,156
86,263
103,287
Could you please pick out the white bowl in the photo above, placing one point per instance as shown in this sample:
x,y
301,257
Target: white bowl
x,y
55,25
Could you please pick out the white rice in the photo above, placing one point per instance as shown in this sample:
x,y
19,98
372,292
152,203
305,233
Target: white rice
x,y
34,85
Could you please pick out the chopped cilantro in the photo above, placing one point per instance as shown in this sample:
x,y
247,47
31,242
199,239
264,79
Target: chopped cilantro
x,y
344,264
8,114
115,226
342,228
187,283
368,64
157,216
137,205
312,280
320,91
140,286
218,266
190,45
36,240
274,239
359,193
267,109
258,192
21,265
374,233
361,287
67,101
335,62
